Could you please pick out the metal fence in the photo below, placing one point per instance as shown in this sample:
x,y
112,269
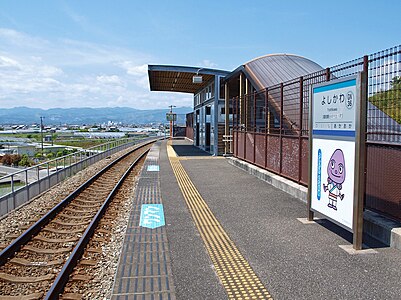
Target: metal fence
x,y
273,131
21,186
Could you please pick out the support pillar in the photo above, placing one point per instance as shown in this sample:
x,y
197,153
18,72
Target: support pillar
x,y
227,119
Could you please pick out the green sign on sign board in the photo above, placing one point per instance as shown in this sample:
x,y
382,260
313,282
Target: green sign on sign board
x,y
171,117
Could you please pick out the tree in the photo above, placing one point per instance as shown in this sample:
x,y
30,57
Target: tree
x,y
16,158
389,101
25,161
6,160
11,159
396,82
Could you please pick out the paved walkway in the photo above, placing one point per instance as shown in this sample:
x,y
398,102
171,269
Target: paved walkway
x,y
144,270
227,229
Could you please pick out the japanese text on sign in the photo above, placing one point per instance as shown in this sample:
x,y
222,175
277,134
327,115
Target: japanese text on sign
x,y
334,107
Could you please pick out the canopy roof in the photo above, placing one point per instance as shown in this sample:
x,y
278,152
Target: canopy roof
x,y
272,69
179,78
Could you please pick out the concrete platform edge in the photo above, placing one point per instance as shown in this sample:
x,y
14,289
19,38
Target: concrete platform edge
x,y
298,191
375,225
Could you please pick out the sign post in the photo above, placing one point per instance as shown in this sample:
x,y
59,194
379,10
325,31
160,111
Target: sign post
x,y
337,119
170,116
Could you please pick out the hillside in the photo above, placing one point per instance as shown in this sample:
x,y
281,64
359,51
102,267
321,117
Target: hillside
x,y
86,115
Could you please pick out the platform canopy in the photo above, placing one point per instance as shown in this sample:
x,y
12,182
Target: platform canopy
x,y
179,78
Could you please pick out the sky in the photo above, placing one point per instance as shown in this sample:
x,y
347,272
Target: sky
x,y
95,53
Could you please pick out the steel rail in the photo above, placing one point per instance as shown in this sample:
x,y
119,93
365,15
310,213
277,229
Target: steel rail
x,y
76,254
8,252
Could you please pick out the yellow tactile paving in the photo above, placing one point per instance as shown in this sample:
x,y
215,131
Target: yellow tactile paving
x,y
235,273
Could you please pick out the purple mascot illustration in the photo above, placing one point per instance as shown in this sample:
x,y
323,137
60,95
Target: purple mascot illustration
x,y
336,173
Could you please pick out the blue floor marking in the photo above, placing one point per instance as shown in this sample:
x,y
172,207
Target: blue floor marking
x,y
152,216
153,168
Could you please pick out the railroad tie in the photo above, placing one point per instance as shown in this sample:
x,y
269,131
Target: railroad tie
x,y
26,279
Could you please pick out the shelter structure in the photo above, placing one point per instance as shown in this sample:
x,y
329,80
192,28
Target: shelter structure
x,y
249,106
268,125
211,124
205,86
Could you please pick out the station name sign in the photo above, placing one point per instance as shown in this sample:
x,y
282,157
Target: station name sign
x,y
334,109
336,162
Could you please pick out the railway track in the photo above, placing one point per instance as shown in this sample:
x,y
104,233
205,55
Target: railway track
x,y
38,263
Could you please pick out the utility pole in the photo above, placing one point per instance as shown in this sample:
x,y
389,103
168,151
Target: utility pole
x,y
171,121
41,131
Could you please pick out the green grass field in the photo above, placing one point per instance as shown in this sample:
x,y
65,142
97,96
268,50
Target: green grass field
x,y
6,188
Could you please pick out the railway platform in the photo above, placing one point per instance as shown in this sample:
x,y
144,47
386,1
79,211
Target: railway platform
x,y
203,229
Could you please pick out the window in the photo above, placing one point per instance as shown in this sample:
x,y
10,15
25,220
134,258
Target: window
x,y
197,99
222,88
223,110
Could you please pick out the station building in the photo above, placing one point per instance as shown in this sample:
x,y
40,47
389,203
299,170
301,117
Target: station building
x,y
212,89
205,86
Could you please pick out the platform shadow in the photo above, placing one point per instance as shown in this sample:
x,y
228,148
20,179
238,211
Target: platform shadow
x,y
189,150
368,241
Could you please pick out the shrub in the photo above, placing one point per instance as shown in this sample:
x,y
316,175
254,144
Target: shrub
x,y
25,161
11,159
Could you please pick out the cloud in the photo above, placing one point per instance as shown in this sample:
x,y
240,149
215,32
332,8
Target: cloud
x,y
7,62
208,64
109,79
11,37
25,76
139,73
133,69
43,73
48,71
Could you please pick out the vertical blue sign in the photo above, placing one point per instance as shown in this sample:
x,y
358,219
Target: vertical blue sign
x,y
152,216
319,173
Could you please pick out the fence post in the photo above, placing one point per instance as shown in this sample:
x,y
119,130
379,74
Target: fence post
x,y
74,166
26,184
57,171
266,125
12,190
281,125
328,74
301,110
237,125
48,174
254,127
245,129
366,79
38,180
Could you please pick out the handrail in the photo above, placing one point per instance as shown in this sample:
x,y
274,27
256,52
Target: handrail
x,y
64,166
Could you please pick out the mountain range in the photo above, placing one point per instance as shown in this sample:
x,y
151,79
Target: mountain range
x,y
87,115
